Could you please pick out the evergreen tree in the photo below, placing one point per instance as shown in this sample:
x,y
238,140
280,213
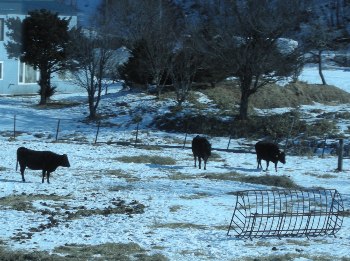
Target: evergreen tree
x,y
42,43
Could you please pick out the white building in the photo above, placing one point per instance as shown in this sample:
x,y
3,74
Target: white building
x,y
19,78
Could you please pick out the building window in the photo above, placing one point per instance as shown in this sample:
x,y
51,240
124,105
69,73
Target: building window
x,y
2,24
27,74
1,70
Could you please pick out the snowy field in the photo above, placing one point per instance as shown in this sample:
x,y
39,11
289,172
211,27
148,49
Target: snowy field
x,y
186,214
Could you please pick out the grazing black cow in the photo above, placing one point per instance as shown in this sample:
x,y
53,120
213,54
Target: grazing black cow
x,y
201,148
269,152
47,161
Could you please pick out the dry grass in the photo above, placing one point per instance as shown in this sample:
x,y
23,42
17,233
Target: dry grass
x,y
24,202
120,174
58,105
293,256
268,180
227,94
156,160
109,251
179,226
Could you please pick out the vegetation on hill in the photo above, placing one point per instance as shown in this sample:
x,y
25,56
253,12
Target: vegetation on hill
x,y
227,94
273,125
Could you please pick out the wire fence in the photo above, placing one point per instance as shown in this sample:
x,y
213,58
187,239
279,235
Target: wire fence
x,y
60,129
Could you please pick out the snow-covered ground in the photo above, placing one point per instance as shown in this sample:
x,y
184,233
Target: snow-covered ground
x,y
186,214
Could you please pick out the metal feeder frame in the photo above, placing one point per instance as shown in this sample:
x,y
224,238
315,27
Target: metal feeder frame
x,y
287,213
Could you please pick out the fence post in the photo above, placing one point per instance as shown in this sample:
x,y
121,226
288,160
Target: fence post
x,y
340,154
289,134
324,146
14,127
137,132
58,128
98,130
184,141
228,144
186,131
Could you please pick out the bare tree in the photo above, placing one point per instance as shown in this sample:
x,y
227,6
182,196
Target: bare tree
x,y
184,64
319,40
325,31
245,37
91,57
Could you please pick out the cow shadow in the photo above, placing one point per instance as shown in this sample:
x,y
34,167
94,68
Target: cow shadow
x,y
13,181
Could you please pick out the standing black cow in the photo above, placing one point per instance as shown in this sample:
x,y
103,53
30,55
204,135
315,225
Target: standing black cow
x,y
269,152
46,161
201,148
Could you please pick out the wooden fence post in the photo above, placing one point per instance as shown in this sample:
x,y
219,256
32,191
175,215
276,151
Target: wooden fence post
x,y
324,146
184,141
14,127
340,154
97,132
229,141
58,128
289,134
137,132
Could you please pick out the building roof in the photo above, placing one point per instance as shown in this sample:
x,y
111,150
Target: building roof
x,y
22,7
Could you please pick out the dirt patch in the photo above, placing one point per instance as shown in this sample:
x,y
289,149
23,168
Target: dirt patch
x,y
119,207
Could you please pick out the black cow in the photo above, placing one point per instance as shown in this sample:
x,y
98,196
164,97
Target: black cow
x,y
47,161
269,152
201,148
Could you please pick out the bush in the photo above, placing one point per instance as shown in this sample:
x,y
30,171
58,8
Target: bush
x,y
135,70
274,127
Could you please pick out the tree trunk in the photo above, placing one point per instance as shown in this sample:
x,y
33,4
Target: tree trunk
x,y
243,108
44,85
245,82
92,108
320,68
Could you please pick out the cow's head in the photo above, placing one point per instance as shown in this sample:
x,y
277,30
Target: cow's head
x,y
65,161
281,156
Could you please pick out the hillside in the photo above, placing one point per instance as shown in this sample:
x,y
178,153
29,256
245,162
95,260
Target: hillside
x,y
144,200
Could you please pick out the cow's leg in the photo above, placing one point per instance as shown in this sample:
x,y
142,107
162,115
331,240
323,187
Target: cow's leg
x,y
48,177
259,162
205,163
199,162
267,164
195,161
43,176
276,166
22,172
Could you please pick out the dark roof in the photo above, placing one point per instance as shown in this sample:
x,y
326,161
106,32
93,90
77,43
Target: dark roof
x,y
22,7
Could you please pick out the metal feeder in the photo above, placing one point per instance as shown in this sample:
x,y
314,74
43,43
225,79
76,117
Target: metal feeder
x,y
287,213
